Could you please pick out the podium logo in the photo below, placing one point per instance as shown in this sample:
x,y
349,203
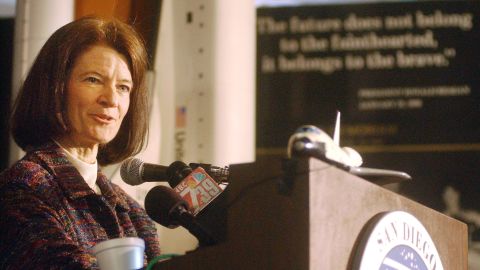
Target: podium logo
x,y
398,241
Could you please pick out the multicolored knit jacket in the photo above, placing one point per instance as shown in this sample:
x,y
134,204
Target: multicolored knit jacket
x,y
50,218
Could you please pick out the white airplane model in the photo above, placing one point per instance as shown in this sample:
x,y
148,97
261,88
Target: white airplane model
x,y
311,141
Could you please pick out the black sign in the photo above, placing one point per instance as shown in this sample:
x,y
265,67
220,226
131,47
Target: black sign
x,y
405,76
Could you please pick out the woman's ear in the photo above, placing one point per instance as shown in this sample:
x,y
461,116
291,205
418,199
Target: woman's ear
x,y
59,116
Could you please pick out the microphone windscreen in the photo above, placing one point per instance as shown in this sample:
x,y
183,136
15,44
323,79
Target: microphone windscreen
x,y
161,202
176,172
130,171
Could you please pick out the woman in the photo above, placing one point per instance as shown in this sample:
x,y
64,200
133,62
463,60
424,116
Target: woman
x,y
83,104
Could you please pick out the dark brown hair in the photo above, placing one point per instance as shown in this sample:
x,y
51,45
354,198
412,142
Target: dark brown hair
x,y
43,94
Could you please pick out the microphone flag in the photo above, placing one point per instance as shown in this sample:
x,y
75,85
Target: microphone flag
x,y
198,189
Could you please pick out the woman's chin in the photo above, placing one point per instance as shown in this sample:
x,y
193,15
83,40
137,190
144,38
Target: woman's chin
x,y
103,138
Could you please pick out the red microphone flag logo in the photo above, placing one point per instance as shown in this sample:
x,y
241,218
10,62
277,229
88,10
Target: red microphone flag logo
x,y
198,189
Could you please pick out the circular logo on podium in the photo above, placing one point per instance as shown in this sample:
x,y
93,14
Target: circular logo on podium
x,y
397,240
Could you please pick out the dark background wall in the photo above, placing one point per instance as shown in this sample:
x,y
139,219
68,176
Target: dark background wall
x,y
6,55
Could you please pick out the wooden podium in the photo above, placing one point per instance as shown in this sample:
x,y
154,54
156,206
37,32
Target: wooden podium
x,y
307,214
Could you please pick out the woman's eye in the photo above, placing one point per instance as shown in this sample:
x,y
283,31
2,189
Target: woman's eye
x,y
92,80
124,88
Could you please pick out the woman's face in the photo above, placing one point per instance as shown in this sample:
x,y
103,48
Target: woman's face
x,y
98,96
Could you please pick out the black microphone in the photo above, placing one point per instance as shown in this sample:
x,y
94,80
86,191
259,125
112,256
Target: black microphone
x,y
177,171
135,172
166,207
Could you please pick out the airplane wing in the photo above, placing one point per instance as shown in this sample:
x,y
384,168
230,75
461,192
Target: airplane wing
x,y
380,176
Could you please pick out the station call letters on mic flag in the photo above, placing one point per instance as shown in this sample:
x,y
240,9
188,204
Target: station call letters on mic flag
x,y
198,189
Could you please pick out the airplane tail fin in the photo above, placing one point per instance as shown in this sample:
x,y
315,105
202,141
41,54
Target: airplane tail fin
x,y
336,133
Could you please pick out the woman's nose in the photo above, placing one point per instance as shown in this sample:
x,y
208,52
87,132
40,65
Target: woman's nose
x,y
109,96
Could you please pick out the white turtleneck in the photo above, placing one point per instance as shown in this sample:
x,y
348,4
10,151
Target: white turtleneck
x,y
87,170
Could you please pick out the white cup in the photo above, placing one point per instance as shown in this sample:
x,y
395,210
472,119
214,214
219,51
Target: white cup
x,y
120,253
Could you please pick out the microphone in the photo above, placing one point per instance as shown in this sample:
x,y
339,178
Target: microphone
x,y
135,172
196,186
167,208
177,171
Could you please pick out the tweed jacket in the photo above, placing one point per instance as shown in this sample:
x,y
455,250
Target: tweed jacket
x,y
50,218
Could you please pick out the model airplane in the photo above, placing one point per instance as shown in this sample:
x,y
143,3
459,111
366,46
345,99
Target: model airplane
x,y
311,141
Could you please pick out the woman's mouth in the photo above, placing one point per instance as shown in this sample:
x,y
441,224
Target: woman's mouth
x,y
103,118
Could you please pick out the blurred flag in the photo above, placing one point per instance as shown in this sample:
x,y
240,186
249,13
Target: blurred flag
x,y
180,117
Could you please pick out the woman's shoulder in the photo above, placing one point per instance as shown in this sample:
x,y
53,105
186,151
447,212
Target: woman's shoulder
x,y
33,171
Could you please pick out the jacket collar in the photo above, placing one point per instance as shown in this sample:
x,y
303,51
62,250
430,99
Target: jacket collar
x,y
70,180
